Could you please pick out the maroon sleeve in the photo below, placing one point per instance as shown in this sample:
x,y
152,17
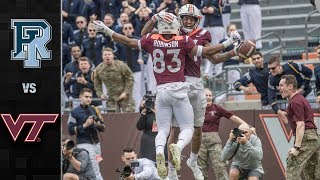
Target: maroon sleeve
x,y
144,42
189,44
208,37
298,111
224,113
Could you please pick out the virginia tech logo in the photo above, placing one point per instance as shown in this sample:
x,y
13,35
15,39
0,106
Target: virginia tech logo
x,y
30,39
280,138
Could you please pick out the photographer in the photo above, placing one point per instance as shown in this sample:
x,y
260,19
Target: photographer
x,y
147,123
85,122
246,150
137,169
76,164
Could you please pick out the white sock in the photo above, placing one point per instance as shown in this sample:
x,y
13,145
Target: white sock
x,y
170,165
160,142
193,156
185,137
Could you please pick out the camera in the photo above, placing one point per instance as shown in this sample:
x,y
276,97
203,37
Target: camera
x,y
96,118
237,132
127,170
149,101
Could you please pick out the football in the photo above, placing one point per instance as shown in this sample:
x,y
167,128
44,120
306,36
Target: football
x,y
246,49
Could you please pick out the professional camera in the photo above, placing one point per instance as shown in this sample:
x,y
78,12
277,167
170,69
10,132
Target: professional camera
x,y
149,101
127,170
237,132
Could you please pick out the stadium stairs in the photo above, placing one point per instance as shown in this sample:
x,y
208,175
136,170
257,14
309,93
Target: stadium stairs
x,y
287,19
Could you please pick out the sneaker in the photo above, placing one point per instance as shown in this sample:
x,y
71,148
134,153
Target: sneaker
x,y
172,174
193,165
176,156
161,166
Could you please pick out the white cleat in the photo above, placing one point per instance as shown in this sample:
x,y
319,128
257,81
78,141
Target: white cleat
x,y
172,174
193,165
161,166
176,156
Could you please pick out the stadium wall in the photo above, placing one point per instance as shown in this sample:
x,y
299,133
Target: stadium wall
x,y
121,132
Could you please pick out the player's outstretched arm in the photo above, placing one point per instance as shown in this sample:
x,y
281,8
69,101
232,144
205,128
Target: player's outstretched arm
x,y
147,28
100,26
212,53
221,57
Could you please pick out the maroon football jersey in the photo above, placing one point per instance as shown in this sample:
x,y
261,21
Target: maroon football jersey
x,y
200,37
168,56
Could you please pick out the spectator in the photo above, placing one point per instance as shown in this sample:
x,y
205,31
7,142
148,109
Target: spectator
x,y
109,21
124,18
67,33
133,59
81,33
234,60
302,73
76,162
118,79
73,66
70,10
233,74
82,80
113,7
226,13
144,169
85,122
100,9
247,154
93,46
131,5
147,123
305,155
258,76
210,149
159,5
212,11
317,74
88,9
250,13
142,16
66,56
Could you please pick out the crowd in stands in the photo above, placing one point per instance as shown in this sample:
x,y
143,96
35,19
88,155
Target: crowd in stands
x,y
127,17
117,76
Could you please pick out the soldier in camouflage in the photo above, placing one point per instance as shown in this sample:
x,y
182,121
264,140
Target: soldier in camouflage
x,y
210,149
118,79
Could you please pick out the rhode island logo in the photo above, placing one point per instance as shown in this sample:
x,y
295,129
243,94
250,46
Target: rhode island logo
x,y
30,39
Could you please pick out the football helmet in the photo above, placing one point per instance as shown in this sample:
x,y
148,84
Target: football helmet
x,y
189,10
172,27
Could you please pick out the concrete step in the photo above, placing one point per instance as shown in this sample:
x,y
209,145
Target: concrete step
x,y
288,30
279,10
279,20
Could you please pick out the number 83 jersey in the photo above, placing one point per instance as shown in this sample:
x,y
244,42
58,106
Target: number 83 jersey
x,y
168,56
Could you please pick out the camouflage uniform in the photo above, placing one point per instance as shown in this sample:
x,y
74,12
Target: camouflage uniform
x,y
210,151
118,79
308,159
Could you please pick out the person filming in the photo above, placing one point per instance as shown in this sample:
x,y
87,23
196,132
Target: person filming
x,y
147,123
137,169
76,164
